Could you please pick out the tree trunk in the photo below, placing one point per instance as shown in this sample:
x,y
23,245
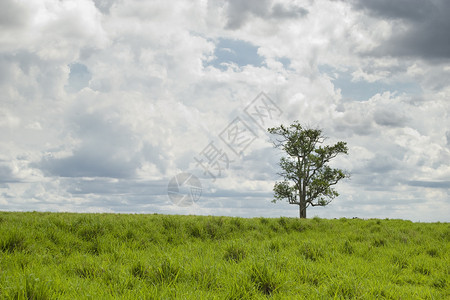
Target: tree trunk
x,y
302,209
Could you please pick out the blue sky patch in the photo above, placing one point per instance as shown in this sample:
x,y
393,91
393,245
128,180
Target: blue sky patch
x,y
285,61
238,52
79,78
363,90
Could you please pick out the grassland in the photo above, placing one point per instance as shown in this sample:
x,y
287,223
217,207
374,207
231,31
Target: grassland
x,y
112,256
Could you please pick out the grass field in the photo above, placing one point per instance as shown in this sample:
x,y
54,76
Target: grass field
x,y
112,256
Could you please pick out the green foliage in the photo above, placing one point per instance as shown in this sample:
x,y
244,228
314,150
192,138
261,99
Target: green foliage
x,y
108,256
308,179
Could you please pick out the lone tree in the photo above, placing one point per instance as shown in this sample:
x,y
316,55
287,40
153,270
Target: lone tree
x,y
308,179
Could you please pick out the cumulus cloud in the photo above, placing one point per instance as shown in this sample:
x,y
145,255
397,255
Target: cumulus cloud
x,y
103,102
12,14
6,174
238,12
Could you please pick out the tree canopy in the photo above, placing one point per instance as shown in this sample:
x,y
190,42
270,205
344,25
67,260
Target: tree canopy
x,y
308,179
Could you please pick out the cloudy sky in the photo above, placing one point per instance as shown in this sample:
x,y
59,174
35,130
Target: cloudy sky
x,y
103,102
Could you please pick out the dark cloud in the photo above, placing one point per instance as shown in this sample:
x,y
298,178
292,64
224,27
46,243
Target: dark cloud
x,y
391,118
106,186
427,27
239,11
108,149
85,163
447,135
405,9
382,164
353,123
280,11
6,175
430,184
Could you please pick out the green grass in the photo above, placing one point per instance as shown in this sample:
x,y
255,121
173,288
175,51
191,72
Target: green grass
x,y
111,256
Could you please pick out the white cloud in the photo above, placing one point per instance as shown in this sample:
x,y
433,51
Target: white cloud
x,y
103,102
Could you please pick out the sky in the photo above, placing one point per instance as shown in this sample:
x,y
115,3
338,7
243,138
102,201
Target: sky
x,y
111,105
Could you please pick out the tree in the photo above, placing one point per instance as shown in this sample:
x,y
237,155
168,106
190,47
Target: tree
x,y
308,179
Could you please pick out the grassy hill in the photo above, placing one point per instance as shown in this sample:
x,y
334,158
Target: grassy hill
x,y
101,256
